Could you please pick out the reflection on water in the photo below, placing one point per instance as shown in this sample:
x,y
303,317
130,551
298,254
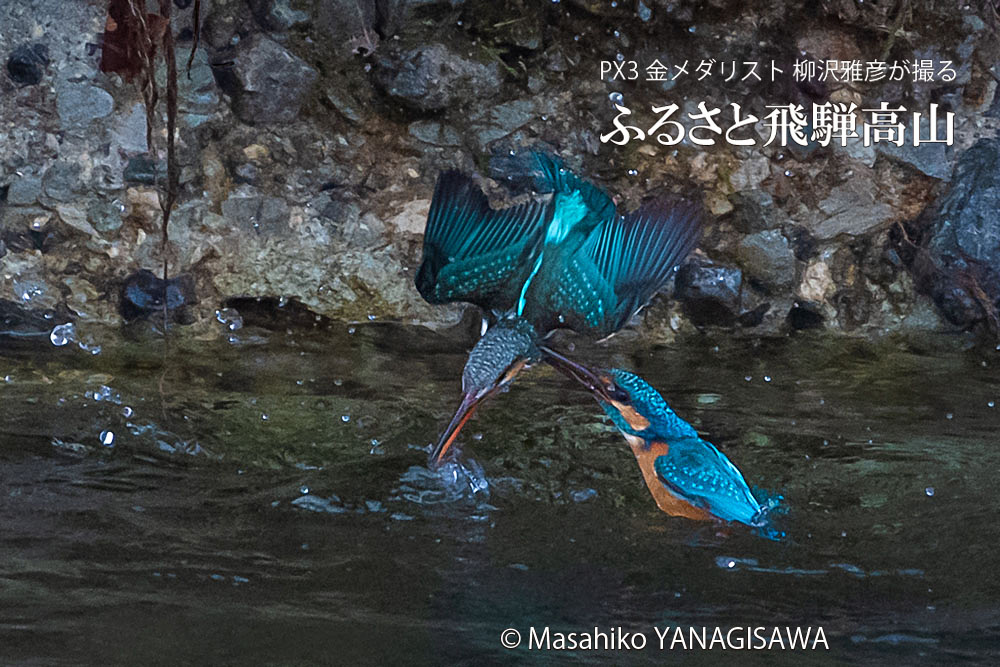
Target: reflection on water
x,y
265,499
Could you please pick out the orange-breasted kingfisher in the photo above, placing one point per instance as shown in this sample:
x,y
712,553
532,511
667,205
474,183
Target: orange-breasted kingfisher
x,y
566,261
686,475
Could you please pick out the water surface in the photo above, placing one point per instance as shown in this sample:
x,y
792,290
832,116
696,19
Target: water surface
x,y
264,500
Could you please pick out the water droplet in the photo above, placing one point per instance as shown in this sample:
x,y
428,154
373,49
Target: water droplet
x,y
229,317
264,417
767,378
616,33
620,57
304,490
63,334
788,173
477,436
747,377
127,412
282,301
929,491
371,318
345,418
692,29
949,416
350,331
107,438
338,382
633,172
991,404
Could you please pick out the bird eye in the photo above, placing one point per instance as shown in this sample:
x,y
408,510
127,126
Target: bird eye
x,y
618,394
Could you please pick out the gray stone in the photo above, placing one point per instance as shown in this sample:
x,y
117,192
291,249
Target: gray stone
x,y
929,158
851,209
496,122
62,181
767,258
80,103
27,62
345,103
968,219
24,190
709,293
434,133
128,131
106,216
271,82
433,77
278,14
267,216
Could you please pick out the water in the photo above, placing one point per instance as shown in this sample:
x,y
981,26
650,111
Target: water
x,y
153,514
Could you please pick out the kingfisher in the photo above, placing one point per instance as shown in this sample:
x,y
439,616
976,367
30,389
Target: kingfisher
x,y
687,476
567,261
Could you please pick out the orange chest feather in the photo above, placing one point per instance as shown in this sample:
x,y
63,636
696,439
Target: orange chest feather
x,y
665,500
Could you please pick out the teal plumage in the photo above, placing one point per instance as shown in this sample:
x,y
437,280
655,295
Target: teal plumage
x,y
692,469
570,262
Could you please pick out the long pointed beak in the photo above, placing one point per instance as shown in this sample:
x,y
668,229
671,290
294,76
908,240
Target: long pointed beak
x,y
462,415
577,372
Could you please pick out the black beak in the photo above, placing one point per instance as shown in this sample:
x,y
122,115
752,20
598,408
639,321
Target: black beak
x,y
578,372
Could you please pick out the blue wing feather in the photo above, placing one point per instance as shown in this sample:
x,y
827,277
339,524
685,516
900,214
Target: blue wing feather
x,y
696,471
472,252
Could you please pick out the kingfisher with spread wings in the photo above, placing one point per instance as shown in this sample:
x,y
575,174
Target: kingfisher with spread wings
x,y
570,260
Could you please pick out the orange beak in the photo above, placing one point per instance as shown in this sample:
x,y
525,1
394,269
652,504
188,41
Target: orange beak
x,y
468,407
469,404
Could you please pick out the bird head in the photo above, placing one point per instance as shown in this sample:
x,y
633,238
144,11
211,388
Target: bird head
x,y
623,395
504,351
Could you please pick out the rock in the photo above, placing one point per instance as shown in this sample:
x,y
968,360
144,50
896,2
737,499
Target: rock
x,y
143,294
755,211
75,218
806,315
750,173
27,62
16,321
24,190
496,122
128,131
345,104
963,240
259,214
364,232
434,133
709,293
433,77
278,15
197,92
62,181
268,83
106,216
80,103
412,219
817,283
851,209
931,159
143,170
967,214
767,258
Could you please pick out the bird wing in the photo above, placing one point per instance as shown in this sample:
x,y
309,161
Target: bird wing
x,y
622,264
698,472
553,176
472,252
